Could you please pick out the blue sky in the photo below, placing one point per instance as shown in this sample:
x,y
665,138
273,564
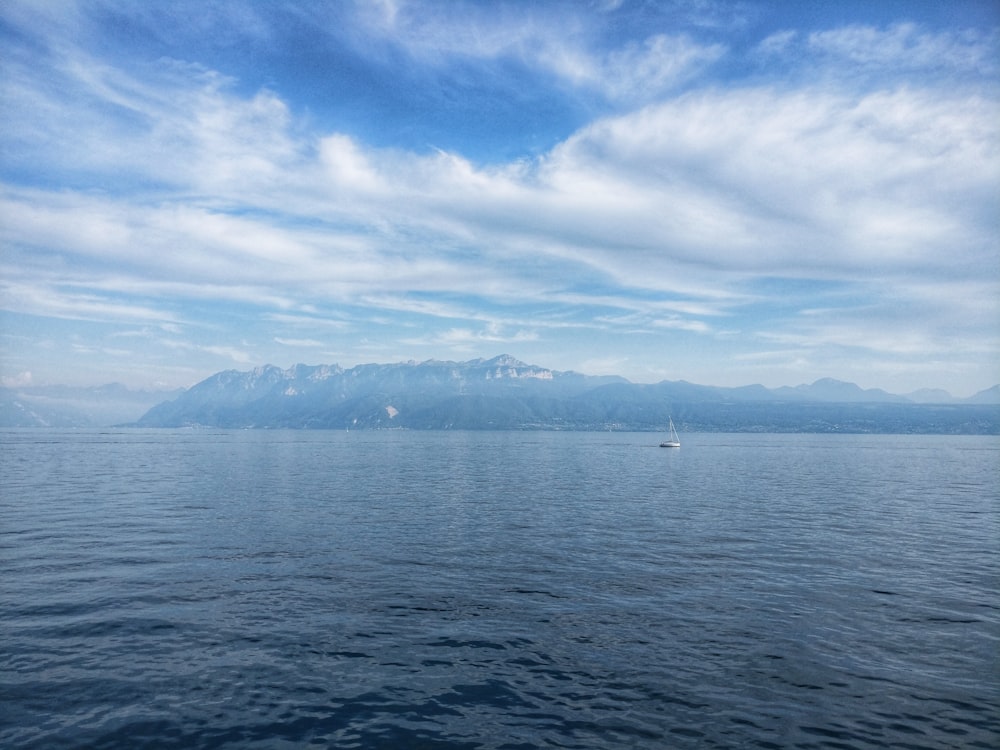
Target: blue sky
x,y
722,192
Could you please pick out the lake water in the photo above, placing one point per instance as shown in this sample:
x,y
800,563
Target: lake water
x,y
259,589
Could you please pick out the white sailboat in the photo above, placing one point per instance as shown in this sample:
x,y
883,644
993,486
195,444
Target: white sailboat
x,y
672,441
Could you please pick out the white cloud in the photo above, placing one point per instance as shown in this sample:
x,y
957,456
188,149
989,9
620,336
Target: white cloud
x,y
906,45
299,343
682,324
42,300
661,217
760,179
467,339
236,355
645,72
307,321
348,166
766,180
559,42
777,43
687,198
21,380
230,353
634,73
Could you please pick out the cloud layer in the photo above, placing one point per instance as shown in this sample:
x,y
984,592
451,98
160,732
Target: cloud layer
x,y
782,221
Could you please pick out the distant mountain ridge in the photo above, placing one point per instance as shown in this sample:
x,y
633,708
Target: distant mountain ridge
x,y
498,393
506,393
366,396
828,389
68,406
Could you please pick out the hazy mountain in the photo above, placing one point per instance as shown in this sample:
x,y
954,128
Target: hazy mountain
x,y
939,396
505,393
67,406
931,396
828,389
373,395
989,396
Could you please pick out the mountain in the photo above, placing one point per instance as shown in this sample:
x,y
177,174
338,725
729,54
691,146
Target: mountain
x,y
505,393
828,389
68,406
989,396
373,395
931,396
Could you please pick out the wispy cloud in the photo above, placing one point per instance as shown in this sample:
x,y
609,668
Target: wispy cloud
x,y
299,343
231,353
468,339
907,45
168,192
42,300
20,380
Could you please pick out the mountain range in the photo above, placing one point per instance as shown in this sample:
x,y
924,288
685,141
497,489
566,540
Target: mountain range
x,y
498,393
505,393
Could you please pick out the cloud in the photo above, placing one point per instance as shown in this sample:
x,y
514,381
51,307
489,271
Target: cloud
x,y
21,380
299,343
556,40
347,166
764,180
161,188
914,320
230,353
637,72
758,179
686,198
58,301
682,324
777,43
236,355
908,46
645,72
308,321
467,339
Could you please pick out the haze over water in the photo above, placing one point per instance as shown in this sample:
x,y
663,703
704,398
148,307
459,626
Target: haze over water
x,y
233,589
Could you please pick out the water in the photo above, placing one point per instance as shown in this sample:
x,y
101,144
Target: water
x,y
203,589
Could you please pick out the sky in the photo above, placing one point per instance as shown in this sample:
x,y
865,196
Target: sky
x,y
720,192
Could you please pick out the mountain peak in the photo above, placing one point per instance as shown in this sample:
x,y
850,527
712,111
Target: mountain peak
x,y
505,360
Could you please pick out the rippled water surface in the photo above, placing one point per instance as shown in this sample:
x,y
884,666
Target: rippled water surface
x,y
195,589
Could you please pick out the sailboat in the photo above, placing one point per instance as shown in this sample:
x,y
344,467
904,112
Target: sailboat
x,y
672,440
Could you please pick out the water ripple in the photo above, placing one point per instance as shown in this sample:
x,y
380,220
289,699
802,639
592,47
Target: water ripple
x,y
187,589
